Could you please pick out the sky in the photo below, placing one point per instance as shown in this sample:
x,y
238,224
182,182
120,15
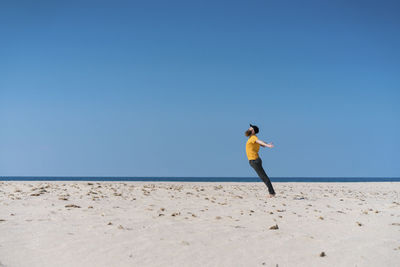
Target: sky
x,y
168,88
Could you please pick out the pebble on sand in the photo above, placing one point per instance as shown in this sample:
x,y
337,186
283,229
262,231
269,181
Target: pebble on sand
x,y
274,227
322,254
72,206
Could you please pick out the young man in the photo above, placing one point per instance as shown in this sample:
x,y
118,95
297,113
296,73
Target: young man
x,y
252,147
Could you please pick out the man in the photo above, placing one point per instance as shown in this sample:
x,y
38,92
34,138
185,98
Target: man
x,y
252,147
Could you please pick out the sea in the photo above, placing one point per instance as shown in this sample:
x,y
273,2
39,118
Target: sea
x,y
201,179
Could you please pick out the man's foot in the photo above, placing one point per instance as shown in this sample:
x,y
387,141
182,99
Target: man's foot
x,y
271,196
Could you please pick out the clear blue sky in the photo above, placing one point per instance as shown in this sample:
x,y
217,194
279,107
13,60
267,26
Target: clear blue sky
x,y
167,88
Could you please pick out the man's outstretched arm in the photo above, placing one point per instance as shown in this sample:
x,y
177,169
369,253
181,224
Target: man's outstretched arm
x,y
263,144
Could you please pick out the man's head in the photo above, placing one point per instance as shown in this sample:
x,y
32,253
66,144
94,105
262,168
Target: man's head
x,y
252,130
255,128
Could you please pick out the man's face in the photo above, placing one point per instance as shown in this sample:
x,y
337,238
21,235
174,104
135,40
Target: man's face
x,y
249,131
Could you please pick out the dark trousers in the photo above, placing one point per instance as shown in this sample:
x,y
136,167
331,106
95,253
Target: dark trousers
x,y
257,166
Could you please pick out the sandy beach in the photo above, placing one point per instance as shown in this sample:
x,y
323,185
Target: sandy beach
x,y
198,224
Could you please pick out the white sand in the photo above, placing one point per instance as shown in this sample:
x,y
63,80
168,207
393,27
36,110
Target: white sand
x,y
214,224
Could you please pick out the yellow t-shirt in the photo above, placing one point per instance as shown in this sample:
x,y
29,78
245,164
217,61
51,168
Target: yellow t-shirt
x,y
252,148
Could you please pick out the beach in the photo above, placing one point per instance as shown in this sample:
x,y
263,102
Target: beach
x,y
198,224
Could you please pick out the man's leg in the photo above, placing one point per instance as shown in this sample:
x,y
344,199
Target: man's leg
x,y
257,165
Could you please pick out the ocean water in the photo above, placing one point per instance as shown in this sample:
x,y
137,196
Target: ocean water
x,y
201,179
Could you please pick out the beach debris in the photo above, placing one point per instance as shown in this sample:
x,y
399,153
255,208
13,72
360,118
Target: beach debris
x,y
63,198
321,218
72,206
35,194
359,224
322,254
161,214
120,227
397,224
274,227
90,207
175,214
218,217
110,223
2,220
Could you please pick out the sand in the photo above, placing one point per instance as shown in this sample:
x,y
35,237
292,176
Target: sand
x,y
199,224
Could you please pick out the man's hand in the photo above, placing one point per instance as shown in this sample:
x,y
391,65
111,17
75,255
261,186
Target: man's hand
x,y
270,145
